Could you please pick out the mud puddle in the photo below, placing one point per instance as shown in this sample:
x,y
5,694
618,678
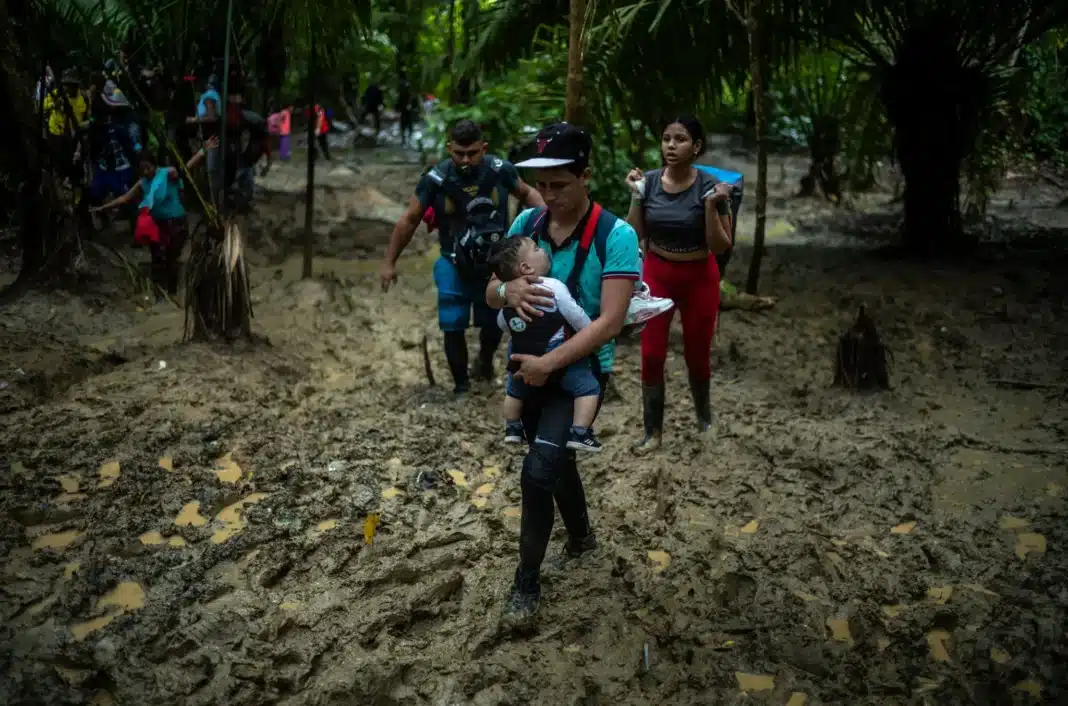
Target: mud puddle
x,y
306,522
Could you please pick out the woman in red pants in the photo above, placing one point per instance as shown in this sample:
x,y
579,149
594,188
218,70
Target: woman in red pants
x,y
683,221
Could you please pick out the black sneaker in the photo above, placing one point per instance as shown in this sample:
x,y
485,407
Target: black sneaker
x,y
583,440
461,388
521,606
513,432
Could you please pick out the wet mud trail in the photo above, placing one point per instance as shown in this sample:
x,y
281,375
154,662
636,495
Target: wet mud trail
x,y
189,524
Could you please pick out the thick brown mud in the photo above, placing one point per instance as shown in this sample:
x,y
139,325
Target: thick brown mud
x,y
189,523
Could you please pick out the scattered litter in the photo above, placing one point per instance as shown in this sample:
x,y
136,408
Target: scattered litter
x,y
163,365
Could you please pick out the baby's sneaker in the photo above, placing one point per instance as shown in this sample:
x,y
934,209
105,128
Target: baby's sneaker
x,y
582,439
513,432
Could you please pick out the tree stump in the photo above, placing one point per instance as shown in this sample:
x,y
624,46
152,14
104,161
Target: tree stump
x,y
861,359
218,302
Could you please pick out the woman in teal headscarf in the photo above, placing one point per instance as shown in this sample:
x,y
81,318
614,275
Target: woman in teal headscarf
x,y
161,194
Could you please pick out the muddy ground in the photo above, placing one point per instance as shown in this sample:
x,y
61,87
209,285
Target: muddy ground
x,y
186,523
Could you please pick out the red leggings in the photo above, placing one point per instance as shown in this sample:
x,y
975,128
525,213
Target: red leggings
x,y
694,287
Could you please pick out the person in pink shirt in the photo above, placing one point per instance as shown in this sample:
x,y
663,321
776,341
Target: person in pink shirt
x,y
284,127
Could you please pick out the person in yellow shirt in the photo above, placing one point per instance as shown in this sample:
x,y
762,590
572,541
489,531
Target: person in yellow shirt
x,y
66,110
56,106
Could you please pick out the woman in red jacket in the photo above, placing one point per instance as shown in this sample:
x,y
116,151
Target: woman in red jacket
x,y
683,221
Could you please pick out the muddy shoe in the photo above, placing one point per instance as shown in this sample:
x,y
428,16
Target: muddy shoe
x,y
574,550
582,439
521,606
461,388
513,432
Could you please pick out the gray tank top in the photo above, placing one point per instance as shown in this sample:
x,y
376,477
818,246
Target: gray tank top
x,y
676,222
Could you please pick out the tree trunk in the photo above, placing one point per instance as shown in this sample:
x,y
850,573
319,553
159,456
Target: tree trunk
x,y
930,143
22,161
757,66
464,90
450,49
309,197
573,109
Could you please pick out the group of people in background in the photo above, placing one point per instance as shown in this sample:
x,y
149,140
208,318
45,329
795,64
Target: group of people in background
x,y
560,279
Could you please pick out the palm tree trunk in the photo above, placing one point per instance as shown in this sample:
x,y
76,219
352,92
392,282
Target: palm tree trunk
x,y
573,112
309,198
450,49
758,67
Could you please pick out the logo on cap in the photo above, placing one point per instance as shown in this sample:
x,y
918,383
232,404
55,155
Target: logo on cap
x,y
542,142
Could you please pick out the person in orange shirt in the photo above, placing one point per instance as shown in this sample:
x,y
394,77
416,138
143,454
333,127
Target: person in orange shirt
x,y
322,126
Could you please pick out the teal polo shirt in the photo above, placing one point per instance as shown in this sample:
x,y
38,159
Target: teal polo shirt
x,y
620,261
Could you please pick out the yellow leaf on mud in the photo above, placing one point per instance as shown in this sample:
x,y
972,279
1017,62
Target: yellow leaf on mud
x,y
892,611
1031,686
167,464
226,470
660,560
390,493
68,483
176,542
1053,490
479,502
797,699
1008,522
882,643
839,628
513,511
491,471
999,655
936,642
484,489
1030,543
70,569
151,539
750,527
327,525
806,597
903,528
370,526
940,594
289,605
109,473
458,477
755,682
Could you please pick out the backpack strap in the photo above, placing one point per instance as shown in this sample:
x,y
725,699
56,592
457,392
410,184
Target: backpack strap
x,y
535,223
583,250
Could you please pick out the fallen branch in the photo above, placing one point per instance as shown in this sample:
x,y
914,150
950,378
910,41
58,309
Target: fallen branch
x,y
1026,384
973,442
426,361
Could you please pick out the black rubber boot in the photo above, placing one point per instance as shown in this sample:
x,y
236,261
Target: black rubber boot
x,y
701,392
653,418
456,355
521,606
489,339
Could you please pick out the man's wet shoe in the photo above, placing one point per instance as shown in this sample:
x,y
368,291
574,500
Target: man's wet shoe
x,y
521,606
575,550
